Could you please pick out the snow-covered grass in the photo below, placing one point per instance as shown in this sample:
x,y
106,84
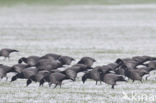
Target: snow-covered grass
x,y
73,2
103,32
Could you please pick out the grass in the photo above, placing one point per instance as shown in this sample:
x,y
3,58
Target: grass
x,y
74,2
105,33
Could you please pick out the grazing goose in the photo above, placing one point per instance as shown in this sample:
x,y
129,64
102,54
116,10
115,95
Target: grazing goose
x,y
55,78
25,74
66,60
105,68
142,59
130,63
4,70
152,64
47,64
51,56
31,60
87,61
71,72
38,77
19,67
6,52
113,66
145,69
120,71
134,74
111,79
94,74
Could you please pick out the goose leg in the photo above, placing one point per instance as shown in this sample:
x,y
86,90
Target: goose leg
x,y
6,78
96,82
55,85
113,86
100,82
60,84
133,81
9,58
1,78
41,83
146,76
50,84
141,80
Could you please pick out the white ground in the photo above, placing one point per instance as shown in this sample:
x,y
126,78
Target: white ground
x,y
102,32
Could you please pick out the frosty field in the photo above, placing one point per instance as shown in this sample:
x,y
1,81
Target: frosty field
x,y
104,32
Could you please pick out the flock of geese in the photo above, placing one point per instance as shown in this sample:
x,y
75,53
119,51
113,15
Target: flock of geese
x,y
46,69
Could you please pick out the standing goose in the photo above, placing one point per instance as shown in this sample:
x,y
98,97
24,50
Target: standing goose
x,y
6,52
31,60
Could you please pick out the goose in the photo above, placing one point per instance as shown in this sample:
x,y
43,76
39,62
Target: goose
x,y
87,61
55,78
94,74
25,74
31,60
19,67
47,64
6,52
111,79
4,70
51,56
38,77
66,60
